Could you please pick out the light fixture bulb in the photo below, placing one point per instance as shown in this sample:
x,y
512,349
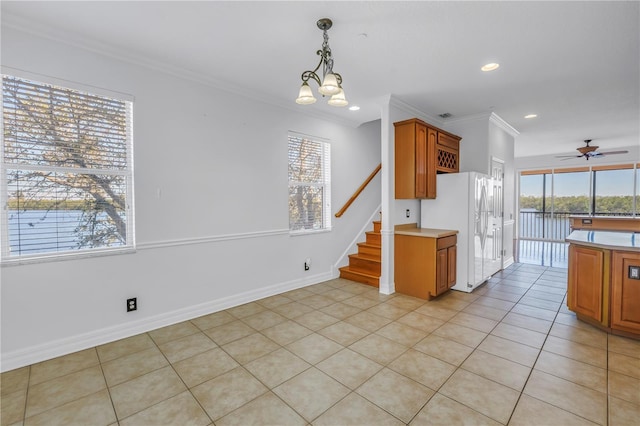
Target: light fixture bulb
x,y
531,116
330,85
305,96
338,99
490,67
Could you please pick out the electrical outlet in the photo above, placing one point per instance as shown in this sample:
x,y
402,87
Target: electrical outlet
x,y
307,264
132,304
408,213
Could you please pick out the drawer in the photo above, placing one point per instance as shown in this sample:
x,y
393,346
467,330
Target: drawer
x,y
446,242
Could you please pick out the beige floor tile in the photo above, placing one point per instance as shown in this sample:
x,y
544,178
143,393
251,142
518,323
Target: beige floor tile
x,y
286,332
568,396
368,321
571,319
311,393
225,393
63,365
215,319
338,295
14,380
349,368
143,392
274,301
498,369
623,364
532,311
543,293
229,332
314,348
407,302
574,371
358,288
496,293
340,310
435,311
264,319
61,390
444,411
131,366
316,320
624,387
12,407
489,398
181,409
422,322
520,335
361,302
277,367
505,288
444,349
94,409
317,301
622,413
485,311
298,294
539,303
173,332
246,310
343,333
591,336
186,347
319,288
378,348
266,410
624,345
530,323
123,347
576,351
449,301
292,310
513,351
533,412
355,410
402,333
422,368
549,289
249,348
474,321
205,366
396,394
461,334
491,302
388,311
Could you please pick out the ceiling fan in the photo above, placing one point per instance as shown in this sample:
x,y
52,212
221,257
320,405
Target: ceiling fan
x,y
590,152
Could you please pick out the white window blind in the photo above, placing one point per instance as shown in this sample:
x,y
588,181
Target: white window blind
x,y
309,184
67,177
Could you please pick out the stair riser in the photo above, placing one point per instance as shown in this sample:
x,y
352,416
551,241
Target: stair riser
x,y
359,278
364,265
377,226
369,251
374,239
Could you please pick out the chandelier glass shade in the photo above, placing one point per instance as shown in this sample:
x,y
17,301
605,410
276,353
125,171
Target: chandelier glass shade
x,y
331,82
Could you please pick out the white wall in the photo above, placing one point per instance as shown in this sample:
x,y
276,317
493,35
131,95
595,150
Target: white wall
x,y
474,146
218,234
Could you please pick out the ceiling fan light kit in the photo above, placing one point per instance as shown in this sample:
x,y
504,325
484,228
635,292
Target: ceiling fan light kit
x,y
331,82
590,151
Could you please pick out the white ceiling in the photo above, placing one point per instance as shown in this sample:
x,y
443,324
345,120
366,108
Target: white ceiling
x,y
575,64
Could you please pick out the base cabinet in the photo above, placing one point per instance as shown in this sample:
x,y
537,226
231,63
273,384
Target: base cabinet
x,y
586,281
424,267
625,292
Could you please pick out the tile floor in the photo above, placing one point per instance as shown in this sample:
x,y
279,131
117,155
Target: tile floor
x,y
339,353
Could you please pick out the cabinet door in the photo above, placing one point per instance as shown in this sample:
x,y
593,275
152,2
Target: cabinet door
x,y
431,162
586,281
625,292
452,252
421,161
442,271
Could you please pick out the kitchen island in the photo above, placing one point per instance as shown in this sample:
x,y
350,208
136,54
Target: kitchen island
x,y
604,280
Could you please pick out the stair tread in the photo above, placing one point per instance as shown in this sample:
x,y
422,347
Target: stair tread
x,y
364,256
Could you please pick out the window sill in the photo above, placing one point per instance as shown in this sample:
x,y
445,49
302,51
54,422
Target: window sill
x,y
309,232
46,258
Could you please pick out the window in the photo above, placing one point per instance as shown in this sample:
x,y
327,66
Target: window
x,y
309,184
613,191
67,175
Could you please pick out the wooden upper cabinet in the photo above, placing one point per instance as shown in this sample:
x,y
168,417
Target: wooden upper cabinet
x,y
422,151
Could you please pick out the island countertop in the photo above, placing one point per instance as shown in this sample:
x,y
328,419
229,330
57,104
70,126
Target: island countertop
x,y
627,241
413,230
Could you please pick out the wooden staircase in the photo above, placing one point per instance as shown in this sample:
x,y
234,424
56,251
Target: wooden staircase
x,y
364,267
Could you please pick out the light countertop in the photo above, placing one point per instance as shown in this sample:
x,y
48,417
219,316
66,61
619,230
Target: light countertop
x,y
629,241
584,216
413,230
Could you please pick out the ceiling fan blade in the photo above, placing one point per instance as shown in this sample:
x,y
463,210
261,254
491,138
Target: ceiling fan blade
x,y
613,152
568,156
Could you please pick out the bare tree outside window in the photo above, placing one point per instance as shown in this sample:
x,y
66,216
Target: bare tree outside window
x,y
66,168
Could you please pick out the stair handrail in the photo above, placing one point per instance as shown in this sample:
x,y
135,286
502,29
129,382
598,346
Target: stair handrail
x,y
358,191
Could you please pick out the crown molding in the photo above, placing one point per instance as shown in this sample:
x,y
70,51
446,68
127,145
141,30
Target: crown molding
x,y
104,49
398,103
499,121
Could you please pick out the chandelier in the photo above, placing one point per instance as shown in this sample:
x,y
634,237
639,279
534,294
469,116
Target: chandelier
x,y
331,83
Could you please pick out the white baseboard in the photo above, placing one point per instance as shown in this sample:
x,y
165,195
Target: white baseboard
x,y
56,348
508,262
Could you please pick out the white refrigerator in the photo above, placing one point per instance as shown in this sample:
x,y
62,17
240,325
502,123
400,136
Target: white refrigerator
x,y
465,202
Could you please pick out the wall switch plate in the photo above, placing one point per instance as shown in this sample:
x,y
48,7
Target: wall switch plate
x,y
132,304
634,272
408,213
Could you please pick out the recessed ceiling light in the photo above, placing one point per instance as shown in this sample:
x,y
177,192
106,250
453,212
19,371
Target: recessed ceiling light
x,y
490,67
531,116
354,108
